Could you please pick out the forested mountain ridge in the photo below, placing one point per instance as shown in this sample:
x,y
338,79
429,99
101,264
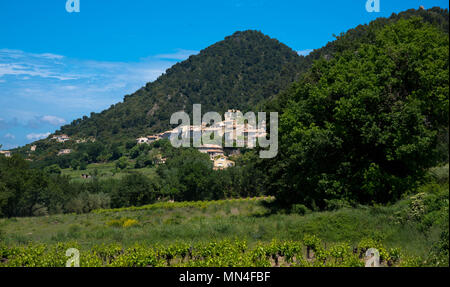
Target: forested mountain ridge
x,y
247,70
238,72
243,71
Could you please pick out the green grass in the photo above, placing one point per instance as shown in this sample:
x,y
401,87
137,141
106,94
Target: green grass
x,y
106,171
165,223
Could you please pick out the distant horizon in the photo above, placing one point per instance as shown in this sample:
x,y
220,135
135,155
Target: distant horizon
x,y
56,67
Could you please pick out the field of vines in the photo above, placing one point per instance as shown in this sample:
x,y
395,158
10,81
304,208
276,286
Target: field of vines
x,y
309,252
235,233
186,204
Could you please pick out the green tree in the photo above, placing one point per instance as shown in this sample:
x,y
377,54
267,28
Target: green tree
x,y
83,165
122,163
363,126
53,169
5,195
75,164
187,174
134,190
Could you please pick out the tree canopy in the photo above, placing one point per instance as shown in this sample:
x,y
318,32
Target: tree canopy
x,y
363,126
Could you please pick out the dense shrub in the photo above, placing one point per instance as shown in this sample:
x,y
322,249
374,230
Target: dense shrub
x,y
135,190
225,253
363,127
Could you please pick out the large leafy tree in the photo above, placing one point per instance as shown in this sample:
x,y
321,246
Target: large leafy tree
x,y
364,125
187,175
135,189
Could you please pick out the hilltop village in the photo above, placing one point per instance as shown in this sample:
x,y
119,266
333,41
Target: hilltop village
x,y
233,128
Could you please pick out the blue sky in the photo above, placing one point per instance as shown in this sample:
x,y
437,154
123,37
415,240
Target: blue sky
x,y
57,66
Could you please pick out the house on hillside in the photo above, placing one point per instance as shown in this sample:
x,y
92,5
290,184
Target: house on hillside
x,y
153,138
214,130
6,153
149,139
85,140
165,135
33,148
160,160
64,152
212,150
142,140
183,132
61,138
231,115
222,162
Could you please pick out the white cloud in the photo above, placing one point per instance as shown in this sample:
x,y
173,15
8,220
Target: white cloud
x,y
34,136
181,54
20,63
88,85
17,54
304,52
33,85
53,120
50,56
9,136
37,121
17,69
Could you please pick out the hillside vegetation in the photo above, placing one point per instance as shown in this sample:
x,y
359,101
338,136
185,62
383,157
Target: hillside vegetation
x,y
362,125
362,161
414,231
365,126
187,174
238,72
